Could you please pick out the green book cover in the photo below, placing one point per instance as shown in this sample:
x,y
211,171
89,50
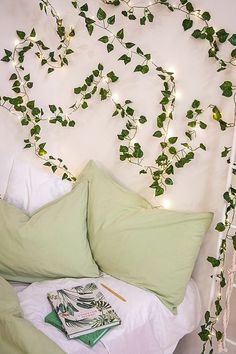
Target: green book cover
x,y
90,339
83,310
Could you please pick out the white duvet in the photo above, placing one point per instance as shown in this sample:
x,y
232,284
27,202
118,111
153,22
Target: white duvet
x,y
148,327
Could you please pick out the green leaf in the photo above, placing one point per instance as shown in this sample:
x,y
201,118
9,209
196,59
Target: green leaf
x,y
77,90
204,334
52,108
104,39
168,181
111,20
111,75
187,23
84,105
207,316
172,140
158,134
150,17
189,7
145,69
232,39
219,335
233,53
130,111
125,58
30,104
220,227
196,104
202,125
216,113
13,77
101,14
20,34
227,89
120,34
27,77
196,34
222,35
100,67
202,146
110,47
29,84
50,70
84,7
215,262
206,16
129,45
142,120
33,33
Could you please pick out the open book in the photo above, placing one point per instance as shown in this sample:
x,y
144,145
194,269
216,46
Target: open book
x,y
83,310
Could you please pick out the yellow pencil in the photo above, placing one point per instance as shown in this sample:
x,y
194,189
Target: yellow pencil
x,y
113,292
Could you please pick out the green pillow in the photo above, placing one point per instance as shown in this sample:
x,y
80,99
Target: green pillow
x,y
150,247
50,244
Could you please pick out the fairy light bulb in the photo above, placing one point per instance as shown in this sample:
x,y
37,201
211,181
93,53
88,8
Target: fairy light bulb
x,y
166,203
105,79
178,95
115,97
14,63
17,42
169,133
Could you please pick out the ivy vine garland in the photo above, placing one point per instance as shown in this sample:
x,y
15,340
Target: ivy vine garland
x,y
173,153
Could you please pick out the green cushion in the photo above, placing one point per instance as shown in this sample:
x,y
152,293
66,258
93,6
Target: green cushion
x,y
150,247
50,244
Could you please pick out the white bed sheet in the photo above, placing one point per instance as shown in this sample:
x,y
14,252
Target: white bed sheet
x,y
148,327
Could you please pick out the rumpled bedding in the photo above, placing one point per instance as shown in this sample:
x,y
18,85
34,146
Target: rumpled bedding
x,y
17,335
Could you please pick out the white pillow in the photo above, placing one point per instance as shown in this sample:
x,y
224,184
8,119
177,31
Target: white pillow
x,y
31,185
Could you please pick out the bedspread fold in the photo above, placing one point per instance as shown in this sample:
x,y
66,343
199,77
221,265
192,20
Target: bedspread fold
x,y
17,335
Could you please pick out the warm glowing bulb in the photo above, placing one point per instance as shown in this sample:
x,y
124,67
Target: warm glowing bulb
x,y
16,42
178,95
105,79
132,142
115,97
172,69
169,133
166,203
14,63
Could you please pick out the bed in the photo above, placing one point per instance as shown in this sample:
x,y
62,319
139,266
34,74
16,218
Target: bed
x,y
146,255
147,325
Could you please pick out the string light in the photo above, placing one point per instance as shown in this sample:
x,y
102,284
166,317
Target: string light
x,y
166,203
178,95
115,97
17,42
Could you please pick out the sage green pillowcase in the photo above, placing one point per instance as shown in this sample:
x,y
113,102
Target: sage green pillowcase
x,y
149,247
50,244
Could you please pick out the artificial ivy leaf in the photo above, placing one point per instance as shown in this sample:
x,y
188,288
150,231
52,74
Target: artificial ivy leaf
x,y
13,77
50,70
77,90
215,262
52,108
20,34
84,7
226,87
100,67
172,150
69,51
220,227
232,39
216,113
187,23
169,181
129,111
207,316
90,28
145,69
204,334
29,84
129,45
150,17
104,39
33,33
101,14
110,47
189,7
30,104
202,125
222,35
233,53
196,104
112,76
125,58
196,34
120,34
142,20
219,335
202,146
206,16
158,134
142,120
138,68
172,140
111,20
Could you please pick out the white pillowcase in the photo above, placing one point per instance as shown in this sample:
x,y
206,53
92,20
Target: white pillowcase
x,y
32,185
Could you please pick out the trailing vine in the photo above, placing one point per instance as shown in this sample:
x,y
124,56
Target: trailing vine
x,y
173,152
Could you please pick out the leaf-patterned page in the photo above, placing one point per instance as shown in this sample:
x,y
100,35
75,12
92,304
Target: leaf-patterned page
x,y
83,309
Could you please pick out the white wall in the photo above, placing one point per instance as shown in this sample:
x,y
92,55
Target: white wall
x,y
199,186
